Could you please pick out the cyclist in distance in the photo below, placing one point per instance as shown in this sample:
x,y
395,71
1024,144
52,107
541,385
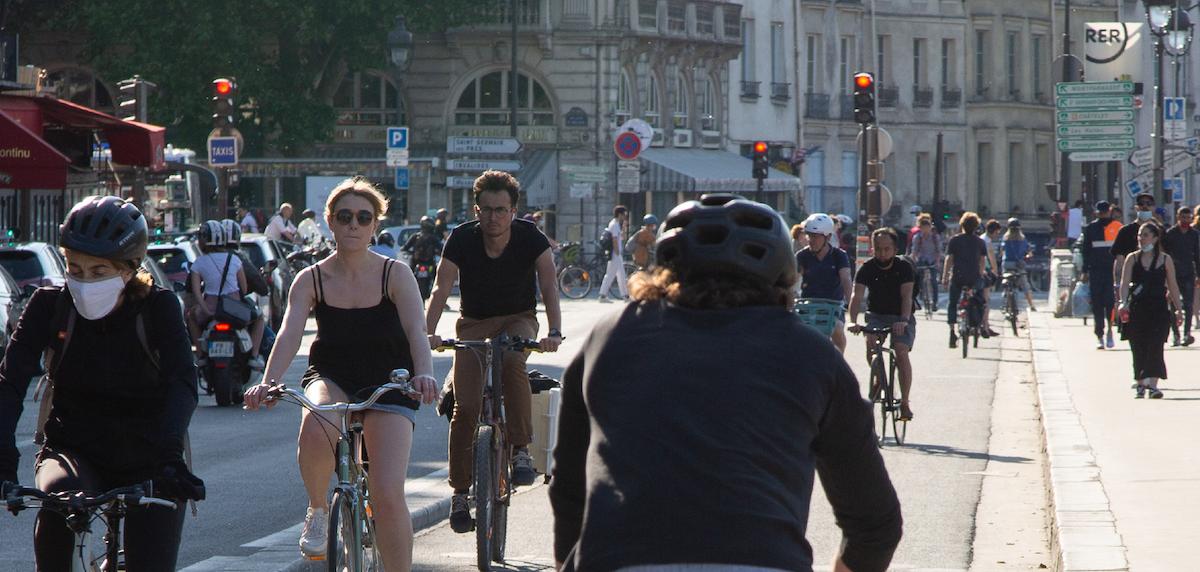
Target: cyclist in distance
x,y
122,401
353,292
824,270
927,249
497,259
641,243
1016,251
634,487
965,257
886,282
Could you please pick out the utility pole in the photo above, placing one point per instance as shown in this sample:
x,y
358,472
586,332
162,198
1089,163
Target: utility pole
x,y
1064,179
512,81
936,208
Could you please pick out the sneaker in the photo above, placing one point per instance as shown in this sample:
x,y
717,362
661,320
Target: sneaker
x,y
953,339
604,300
523,473
312,538
1108,340
1032,308
1175,342
1099,342
1155,393
256,363
1189,340
1141,392
460,514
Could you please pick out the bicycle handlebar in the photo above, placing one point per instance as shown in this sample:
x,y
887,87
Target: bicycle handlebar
x,y
511,344
15,496
399,381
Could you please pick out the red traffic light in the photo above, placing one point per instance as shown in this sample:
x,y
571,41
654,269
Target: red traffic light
x,y
222,86
760,147
863,80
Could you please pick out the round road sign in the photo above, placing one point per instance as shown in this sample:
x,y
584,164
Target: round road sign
x,y
627,146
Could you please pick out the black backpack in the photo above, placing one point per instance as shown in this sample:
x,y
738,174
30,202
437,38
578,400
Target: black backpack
x,y
606,243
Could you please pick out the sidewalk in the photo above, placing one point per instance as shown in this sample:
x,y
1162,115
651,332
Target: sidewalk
x,y
1124,473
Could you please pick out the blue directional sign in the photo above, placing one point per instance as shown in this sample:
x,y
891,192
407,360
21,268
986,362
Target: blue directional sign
x,y
397,138
402,178
1174,185
222,151
1134,186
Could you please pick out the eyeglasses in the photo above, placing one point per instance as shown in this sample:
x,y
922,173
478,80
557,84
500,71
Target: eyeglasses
x,y
345,216
492,211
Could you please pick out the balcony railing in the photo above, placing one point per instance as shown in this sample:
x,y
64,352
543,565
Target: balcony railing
x,y
888,96
529,13
846,103
816,105
951,97
922,96
750,89
781,91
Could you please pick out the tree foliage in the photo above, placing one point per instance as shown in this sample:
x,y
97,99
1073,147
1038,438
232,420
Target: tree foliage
x,y
288,56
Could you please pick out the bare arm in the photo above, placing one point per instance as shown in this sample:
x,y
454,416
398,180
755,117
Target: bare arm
x,y
197,289
1126,273
906,300
947,268
301,299
844,276
547,281
447,273
402,287
856,302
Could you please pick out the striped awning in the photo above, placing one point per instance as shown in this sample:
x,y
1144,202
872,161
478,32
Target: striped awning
x,y
704,171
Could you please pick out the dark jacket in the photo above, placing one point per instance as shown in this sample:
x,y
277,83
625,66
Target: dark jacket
x,y
110,405
1184,248
1097,250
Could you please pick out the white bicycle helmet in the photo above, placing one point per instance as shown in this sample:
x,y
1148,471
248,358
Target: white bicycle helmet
x,y
819,223
212,233
846,220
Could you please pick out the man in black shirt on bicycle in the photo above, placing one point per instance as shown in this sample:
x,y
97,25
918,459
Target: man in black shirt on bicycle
x,y
496,259
886,281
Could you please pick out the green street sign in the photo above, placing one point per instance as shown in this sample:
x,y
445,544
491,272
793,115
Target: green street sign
x,y
1107,144
1088,156
1093,87
1094,116
1094,101
1093,130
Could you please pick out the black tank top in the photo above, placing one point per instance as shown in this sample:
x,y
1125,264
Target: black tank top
x,y
357,348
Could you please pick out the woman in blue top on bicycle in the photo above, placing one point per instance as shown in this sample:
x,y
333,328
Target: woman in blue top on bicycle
x,y
1016,252
824,270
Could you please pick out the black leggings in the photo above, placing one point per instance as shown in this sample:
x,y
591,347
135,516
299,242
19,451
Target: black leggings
x,y
151,534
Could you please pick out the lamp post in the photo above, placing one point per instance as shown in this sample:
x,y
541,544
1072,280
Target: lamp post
x,y
399,44
1171,28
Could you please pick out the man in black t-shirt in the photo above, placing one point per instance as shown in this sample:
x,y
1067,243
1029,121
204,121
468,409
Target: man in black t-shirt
x,y
1182,242
965,257
1127,240
497,259
887,281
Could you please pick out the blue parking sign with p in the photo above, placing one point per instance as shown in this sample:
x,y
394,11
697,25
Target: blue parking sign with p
x,y
402,178
1173,108
397,138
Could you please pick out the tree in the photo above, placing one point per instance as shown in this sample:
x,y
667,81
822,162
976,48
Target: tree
x,y
289,56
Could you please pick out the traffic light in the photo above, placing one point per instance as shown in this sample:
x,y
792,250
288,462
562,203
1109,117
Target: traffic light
x,y
133,101
761,163
864,98
224,93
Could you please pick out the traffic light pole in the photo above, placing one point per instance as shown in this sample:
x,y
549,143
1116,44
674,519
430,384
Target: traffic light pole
x,y
758,194
1064,179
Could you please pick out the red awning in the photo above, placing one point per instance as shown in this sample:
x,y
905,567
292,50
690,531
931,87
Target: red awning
x,y
132,143
28,162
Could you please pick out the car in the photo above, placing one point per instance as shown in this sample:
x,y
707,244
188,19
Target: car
x,y
175,258
12,305
33,264
162,280
402,233
270,256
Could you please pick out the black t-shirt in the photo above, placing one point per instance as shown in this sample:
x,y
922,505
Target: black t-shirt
x,y
423,246
1126,240
496,286
777,404
883,284
966,249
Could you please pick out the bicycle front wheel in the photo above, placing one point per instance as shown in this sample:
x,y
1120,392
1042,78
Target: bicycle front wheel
x,y
878,394
574,282
485,497
1010,302
899,428
344,548
500,505
371,559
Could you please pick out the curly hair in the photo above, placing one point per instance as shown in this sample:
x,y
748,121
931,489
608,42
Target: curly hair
x,y
497,181
706,292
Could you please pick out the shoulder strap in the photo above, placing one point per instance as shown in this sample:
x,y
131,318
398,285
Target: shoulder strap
x,y
317,283
140,326
387,269
224,273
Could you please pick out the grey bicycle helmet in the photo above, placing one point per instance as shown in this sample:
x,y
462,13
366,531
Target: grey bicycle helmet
x,y
107,227
212,233
385,238
727,234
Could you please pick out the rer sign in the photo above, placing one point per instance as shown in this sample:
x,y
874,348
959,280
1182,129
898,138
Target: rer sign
x,y
222,151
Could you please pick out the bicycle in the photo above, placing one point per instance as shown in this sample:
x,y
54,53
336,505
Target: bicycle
x,y
577,279
492,468
927,301
351,526
80,510
1009,281
819,313
883,384
970,314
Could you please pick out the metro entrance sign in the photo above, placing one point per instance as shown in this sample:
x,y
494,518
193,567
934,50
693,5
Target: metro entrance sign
x,y
1094,119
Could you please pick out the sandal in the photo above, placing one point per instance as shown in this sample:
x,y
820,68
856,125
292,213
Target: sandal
x,y
906,414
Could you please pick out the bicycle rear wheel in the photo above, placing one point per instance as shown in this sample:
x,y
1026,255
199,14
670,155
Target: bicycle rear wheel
x,y
344,548
484,497
964,337
574,282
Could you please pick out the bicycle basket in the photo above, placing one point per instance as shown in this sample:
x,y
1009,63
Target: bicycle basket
x,y
819,314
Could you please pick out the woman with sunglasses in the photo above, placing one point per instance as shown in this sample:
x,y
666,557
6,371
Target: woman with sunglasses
x,y
354,291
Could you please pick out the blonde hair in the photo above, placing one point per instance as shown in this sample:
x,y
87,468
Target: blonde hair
x,y
358,186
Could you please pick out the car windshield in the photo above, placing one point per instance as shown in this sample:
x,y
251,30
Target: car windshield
x,y
255,251
23,265
172,261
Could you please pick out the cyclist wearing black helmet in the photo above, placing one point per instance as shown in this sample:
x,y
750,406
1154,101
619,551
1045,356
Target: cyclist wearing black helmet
x,y
123,379
384,245
775,404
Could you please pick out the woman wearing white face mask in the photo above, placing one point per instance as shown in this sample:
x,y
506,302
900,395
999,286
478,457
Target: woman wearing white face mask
x,y
122,398
1147,285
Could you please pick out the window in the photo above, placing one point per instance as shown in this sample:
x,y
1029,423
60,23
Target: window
x,y
949,175
844,58
947,62
918,54
485,101
679,102
1014,63
366,98
624,109
650,108
778,54
677,17
811,73
704,19
881,65
922,174
983,175
1036,68
850,168
748,50
648,14
981,85
706,104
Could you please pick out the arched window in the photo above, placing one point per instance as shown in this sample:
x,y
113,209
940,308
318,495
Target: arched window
x,y
706,104
485,101
80,86
624,109
650,109
368,98
679,102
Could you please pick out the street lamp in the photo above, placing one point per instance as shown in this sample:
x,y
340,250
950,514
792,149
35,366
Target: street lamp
x,y
1179,33
1171,28
1158,13
400,43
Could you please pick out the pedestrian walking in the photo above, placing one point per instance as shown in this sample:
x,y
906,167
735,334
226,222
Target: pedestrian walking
x,y
1095,245
616,259
1147,286
1182,242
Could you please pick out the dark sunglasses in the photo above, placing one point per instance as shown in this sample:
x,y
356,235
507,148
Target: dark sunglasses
x,y
345,216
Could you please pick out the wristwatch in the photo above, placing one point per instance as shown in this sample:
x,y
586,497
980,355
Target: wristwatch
x,y
554,333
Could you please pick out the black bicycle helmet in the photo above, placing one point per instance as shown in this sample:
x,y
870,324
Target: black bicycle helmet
x,y
386,239
727,234
107,227
427,223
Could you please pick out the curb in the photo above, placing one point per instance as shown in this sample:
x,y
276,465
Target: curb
x,y
1083,532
